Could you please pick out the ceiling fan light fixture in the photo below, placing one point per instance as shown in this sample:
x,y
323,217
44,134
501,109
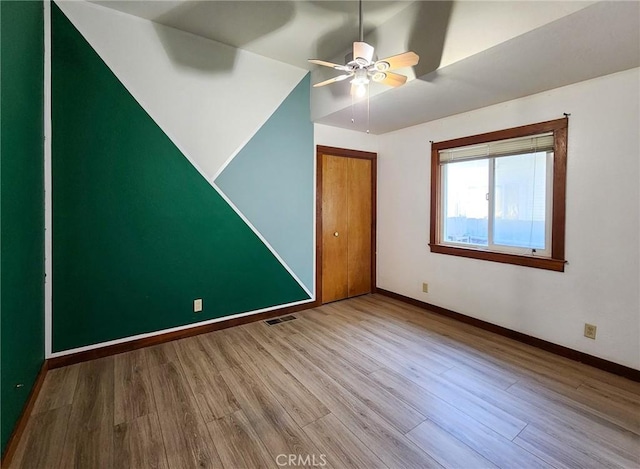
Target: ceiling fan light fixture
x,y
361,90
361,77
362,62
378,76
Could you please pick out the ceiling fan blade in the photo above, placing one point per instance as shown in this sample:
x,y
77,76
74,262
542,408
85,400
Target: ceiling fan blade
x,y
329,64
389,78
362,50
406,59
333,80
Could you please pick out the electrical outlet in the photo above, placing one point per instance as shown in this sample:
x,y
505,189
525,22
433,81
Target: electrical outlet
x,y
590,331
425,287
197,305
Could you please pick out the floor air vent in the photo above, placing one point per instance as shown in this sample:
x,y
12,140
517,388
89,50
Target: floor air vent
x,y
273,321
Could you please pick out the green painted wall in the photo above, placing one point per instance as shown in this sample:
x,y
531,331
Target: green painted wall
x,y
138,233
21,205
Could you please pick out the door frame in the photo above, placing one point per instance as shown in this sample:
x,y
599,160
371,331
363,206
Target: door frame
x,y
344,153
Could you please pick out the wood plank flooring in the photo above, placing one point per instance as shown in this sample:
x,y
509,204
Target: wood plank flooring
x,y
363,383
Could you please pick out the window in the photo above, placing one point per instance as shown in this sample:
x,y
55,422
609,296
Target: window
x,y
500,196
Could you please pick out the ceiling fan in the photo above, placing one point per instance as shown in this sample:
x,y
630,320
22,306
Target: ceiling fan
x,y
363,68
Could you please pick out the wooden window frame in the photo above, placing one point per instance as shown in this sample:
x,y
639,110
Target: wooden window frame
x,y
557,260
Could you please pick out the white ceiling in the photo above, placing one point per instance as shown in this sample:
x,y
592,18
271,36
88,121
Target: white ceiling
x,y
598,40
473,54
284,30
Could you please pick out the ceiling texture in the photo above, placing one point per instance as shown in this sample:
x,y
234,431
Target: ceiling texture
x,y
473,53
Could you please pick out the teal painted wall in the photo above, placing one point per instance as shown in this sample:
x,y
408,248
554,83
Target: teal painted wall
x,y
271,181
21,205
138,233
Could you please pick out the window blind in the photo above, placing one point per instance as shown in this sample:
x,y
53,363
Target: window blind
x,y
508,147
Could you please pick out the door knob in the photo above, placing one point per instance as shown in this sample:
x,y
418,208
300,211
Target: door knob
x,y
335,234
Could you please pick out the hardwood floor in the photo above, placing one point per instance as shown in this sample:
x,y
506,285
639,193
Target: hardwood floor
x,y
364,383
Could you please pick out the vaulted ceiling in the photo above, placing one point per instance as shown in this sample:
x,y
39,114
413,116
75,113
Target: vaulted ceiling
x,y
473,53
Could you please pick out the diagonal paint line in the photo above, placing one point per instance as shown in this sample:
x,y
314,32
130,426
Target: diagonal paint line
x,y
262,238
253,134
175,141
240,147
241,214
298,71
224,196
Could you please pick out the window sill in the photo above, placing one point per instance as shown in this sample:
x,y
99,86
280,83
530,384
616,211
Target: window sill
x,y
546,263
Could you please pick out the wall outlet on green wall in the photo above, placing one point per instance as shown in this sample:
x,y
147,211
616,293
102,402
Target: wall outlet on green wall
x,y
197,305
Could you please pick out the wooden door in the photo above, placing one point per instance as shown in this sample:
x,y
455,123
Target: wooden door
x,y
335,272
347,234
358,226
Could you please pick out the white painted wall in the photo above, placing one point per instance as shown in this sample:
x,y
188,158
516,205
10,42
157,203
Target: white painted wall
x,y
344,138
601,283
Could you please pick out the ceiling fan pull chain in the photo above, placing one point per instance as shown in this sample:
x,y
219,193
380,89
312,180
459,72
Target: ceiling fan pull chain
x,y
353,116
368,107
